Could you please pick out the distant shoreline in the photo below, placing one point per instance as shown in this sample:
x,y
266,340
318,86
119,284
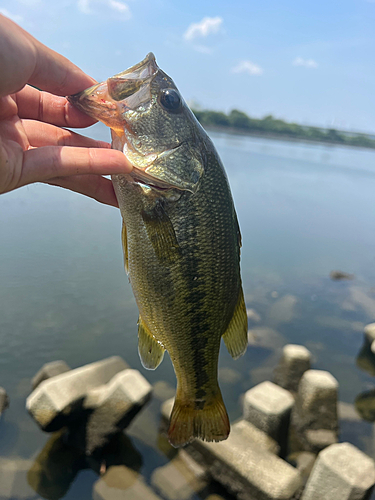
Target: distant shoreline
x,y
280,137
237,122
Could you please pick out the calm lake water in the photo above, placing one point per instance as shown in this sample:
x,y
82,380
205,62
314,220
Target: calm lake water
x,y
304,210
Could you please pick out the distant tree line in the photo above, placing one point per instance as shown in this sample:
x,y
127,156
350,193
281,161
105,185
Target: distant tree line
x,y
273,126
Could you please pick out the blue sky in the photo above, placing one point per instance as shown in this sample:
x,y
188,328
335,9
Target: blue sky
x,y
309,62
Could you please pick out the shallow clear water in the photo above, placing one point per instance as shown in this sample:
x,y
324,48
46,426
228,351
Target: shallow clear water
x,y
304,210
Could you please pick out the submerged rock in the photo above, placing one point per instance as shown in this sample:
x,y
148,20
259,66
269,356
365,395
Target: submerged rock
x,y
58,464
266,337
340,275
13,479
180,478
121,483
4,400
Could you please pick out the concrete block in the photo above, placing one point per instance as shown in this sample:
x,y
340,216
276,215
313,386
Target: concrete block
x,y
268,407
315,409
319,439
13,479
180,478
247,469
163,391
370,332
122,483
56,399
294,362
347,411
166,409
113,406
251,434
316,401
304,462
4,400
49,370
341,472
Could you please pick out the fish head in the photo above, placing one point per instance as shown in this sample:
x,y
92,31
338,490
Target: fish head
x,y
151,123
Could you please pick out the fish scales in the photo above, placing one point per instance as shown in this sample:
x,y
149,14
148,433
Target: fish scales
x,y
181,244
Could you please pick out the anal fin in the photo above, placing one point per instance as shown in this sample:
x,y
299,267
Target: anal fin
x,y
235,337
150,351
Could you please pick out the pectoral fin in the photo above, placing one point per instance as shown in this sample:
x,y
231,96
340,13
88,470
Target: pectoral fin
x,y
124,240
235,337
161,233
150,351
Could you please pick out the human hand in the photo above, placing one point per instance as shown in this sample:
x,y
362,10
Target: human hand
x,y
33,146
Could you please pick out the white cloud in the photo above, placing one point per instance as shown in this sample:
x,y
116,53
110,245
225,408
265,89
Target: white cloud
x,y
84,6
208,26
14,17
307,63
248,67
121,8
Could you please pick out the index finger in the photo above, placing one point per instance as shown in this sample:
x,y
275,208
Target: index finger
x,y
34,104
23,59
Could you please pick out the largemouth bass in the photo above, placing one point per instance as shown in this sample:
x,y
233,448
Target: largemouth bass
x,y
181,240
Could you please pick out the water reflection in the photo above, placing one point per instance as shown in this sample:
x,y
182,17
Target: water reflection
x,y
365,405
58,464
365,401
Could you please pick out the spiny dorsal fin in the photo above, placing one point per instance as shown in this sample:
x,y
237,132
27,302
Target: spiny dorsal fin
x,y
150,351
124,240
161,234
235,337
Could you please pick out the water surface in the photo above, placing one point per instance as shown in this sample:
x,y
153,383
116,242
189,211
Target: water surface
x,y
304,210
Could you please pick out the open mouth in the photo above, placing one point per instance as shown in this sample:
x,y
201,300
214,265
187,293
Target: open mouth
x,y
105,100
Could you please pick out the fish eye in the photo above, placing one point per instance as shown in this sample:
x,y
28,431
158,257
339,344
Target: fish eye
x,y
170,99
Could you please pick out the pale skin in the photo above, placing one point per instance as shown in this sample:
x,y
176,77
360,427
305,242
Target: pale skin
x,y
34,145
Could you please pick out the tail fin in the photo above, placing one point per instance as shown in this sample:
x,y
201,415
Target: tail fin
x,y
210,423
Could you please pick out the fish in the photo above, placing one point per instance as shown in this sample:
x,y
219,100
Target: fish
x,y
181,240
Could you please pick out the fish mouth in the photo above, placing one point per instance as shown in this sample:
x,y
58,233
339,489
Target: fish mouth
x,y
106,101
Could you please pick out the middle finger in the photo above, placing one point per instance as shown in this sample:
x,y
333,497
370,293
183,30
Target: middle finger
x,y
43,134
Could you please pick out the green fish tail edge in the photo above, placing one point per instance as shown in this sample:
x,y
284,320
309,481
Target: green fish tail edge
x,y
188,423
